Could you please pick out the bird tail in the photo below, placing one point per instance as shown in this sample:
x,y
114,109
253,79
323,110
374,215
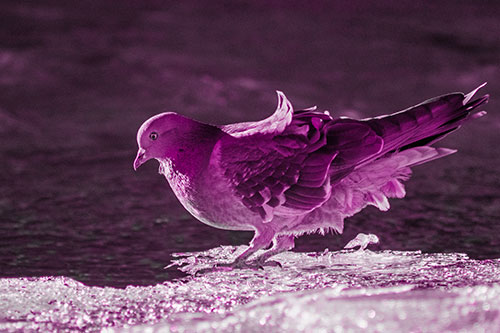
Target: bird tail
x,y
428,122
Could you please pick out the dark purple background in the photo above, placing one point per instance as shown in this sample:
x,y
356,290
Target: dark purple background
x,y
77,80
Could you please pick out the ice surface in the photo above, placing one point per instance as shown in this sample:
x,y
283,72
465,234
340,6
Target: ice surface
x,y
362,240
329,291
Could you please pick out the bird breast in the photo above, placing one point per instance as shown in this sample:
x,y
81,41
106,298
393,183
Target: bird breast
x,y
208,198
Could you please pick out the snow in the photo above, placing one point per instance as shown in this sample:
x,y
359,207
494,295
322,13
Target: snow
x,y
341,291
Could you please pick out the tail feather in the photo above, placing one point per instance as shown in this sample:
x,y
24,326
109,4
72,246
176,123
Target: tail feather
x,y
427,122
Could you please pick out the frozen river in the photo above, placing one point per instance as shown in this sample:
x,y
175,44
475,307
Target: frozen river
x,y
343,291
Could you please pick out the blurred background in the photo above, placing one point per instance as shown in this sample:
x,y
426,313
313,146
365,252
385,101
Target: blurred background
x,y
77,79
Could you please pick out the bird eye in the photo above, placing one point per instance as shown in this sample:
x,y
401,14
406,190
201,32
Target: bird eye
x,y
153,136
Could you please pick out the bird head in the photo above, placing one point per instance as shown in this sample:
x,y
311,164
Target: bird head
x,y
158,136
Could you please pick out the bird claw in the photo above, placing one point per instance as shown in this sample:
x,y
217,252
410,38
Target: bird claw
x,y
269,263
214,268
225,267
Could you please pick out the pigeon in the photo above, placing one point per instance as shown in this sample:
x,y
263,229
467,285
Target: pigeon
x,y
296,172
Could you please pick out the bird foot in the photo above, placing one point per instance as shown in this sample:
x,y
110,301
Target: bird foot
x,y
269,263
226,267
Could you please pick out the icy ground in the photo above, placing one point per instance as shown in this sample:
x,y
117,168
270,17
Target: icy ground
x,y
338,291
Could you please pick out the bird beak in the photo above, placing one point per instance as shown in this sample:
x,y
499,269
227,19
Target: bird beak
x,y
140,159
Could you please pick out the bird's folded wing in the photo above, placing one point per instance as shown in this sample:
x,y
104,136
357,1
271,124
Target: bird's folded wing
x,y
290,173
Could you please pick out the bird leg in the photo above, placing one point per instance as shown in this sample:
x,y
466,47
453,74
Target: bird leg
x,y
262,238
281,243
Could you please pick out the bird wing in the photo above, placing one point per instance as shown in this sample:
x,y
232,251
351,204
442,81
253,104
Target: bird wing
x,y
290,172
287,164
274,124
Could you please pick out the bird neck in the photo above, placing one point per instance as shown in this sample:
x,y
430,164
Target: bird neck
x,y
193,150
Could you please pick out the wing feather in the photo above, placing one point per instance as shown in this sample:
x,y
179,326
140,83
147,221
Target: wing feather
x,y
276,123
323,169
286,171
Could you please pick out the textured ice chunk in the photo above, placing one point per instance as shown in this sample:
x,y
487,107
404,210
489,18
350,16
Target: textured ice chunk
x,y
392,309
383,290
362,240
